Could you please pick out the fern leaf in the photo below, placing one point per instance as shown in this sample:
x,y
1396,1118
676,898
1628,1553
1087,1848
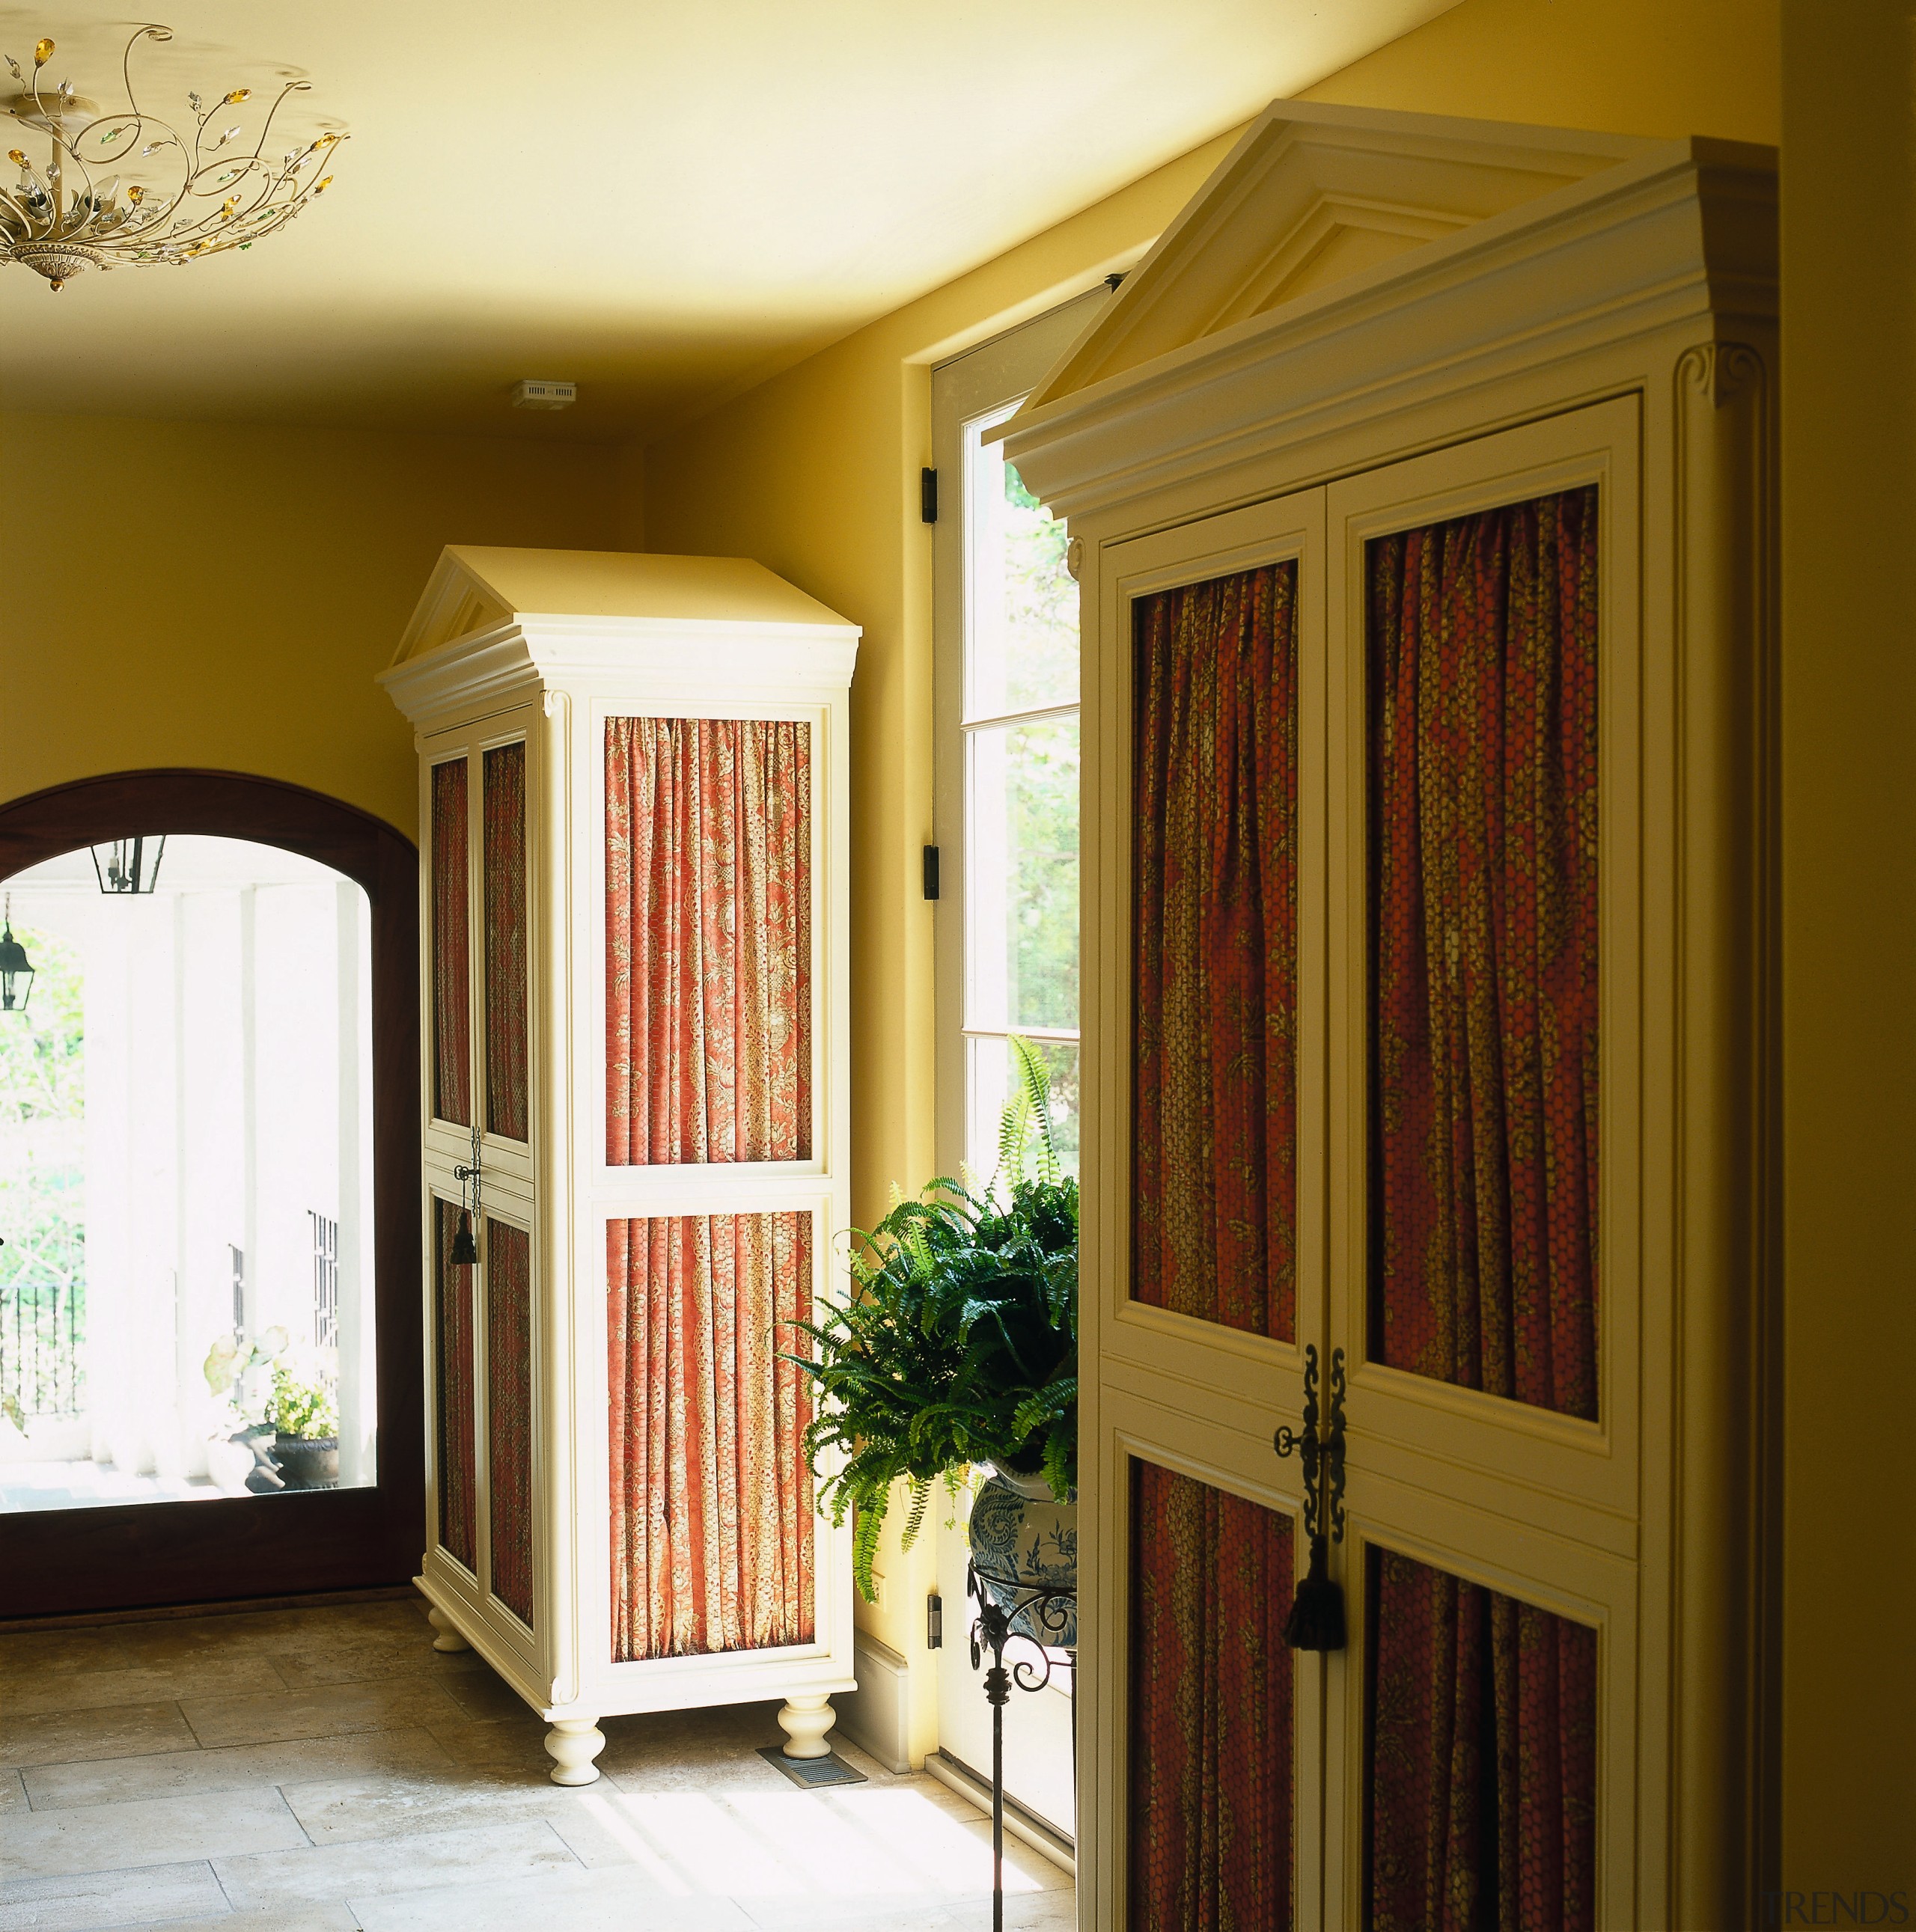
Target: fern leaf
x,y
865,1545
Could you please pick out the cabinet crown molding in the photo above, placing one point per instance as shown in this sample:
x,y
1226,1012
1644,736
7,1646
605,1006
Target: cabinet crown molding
x,y
1341,262
493,622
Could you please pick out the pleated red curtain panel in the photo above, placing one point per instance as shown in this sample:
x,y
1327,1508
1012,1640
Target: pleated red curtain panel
x,y
1211,1830
708,1060
708,965
458,1479
1483,1743
1483,815
712,1529
452,991
1214,914
503,816
509,1413
1482,718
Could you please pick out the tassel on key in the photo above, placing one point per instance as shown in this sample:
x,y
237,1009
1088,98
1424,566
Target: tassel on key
x,y
465,1250
1316,1621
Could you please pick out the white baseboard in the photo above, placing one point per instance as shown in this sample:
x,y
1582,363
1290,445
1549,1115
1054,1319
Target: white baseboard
x,y
877,1716
1021,1824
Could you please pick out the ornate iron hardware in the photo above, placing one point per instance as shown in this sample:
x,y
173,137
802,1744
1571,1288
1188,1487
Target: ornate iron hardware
x,y
1317,1620
465,1251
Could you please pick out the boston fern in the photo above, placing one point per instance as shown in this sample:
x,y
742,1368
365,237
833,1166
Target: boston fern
x,y
961,1344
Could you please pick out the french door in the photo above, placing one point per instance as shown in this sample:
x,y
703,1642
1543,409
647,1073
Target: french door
x,y
1363,979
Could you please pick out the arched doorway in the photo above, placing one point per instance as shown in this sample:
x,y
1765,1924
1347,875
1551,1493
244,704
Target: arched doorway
x,y
282,943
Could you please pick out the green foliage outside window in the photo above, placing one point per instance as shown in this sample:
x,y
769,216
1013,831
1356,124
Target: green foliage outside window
x,y
43,1185
1042,611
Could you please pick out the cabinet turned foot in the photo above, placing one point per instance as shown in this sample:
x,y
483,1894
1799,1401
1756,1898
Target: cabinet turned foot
x,y
445,1637
806,1720
572,1743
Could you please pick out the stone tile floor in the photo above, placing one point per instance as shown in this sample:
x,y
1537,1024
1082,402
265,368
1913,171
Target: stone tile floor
x,y
323,1769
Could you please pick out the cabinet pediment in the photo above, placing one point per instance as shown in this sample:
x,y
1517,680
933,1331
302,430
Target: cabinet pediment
x,y
1315,195
478,588
504,622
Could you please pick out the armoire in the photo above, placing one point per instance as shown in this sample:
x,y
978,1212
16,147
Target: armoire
x,y
634,830
1421,483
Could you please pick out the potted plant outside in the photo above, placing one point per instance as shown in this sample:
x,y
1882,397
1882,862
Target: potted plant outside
x,y
959,1347
239,1443
304,1414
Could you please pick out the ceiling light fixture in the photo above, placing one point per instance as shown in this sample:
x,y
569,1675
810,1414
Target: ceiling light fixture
x,y
206,191
129,865
15,968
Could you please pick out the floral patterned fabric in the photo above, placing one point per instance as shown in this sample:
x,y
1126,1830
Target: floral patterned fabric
x,y
1210,1830
503,810
708,940
1215,913
509,1413
1483,777
1482,1784
712,1503
458,1483
452,990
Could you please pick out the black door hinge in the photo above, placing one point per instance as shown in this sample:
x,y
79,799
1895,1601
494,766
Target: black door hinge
x,y
928,496
934,1621
931,871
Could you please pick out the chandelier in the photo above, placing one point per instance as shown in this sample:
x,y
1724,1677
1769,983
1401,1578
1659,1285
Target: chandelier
x,y
88,202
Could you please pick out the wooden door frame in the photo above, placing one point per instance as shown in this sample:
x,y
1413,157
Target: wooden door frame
x,y
142,1555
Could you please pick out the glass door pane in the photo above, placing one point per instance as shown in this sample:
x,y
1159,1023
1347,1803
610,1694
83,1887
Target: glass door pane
x,y
186,1196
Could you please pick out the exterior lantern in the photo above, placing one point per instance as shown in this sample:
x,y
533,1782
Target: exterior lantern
x,y
128,865
16,969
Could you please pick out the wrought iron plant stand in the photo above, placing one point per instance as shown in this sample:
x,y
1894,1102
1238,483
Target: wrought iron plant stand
x,y
1003,1602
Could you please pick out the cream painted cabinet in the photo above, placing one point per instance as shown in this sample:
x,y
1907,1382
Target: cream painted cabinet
x,y
633,831
1423,480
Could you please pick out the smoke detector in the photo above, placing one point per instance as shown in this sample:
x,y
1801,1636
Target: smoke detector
x,y
530,395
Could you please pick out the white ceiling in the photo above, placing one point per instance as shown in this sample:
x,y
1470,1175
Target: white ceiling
x,y
653,198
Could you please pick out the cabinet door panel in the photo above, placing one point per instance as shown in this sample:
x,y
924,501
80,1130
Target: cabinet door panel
x,y
1202,1231
1484,1282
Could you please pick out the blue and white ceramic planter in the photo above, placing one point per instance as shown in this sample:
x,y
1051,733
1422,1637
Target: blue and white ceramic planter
x,y
1019,1530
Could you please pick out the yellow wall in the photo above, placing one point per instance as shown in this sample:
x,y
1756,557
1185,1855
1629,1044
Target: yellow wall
x,y
1624,66
814,473
1849,971
197,594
